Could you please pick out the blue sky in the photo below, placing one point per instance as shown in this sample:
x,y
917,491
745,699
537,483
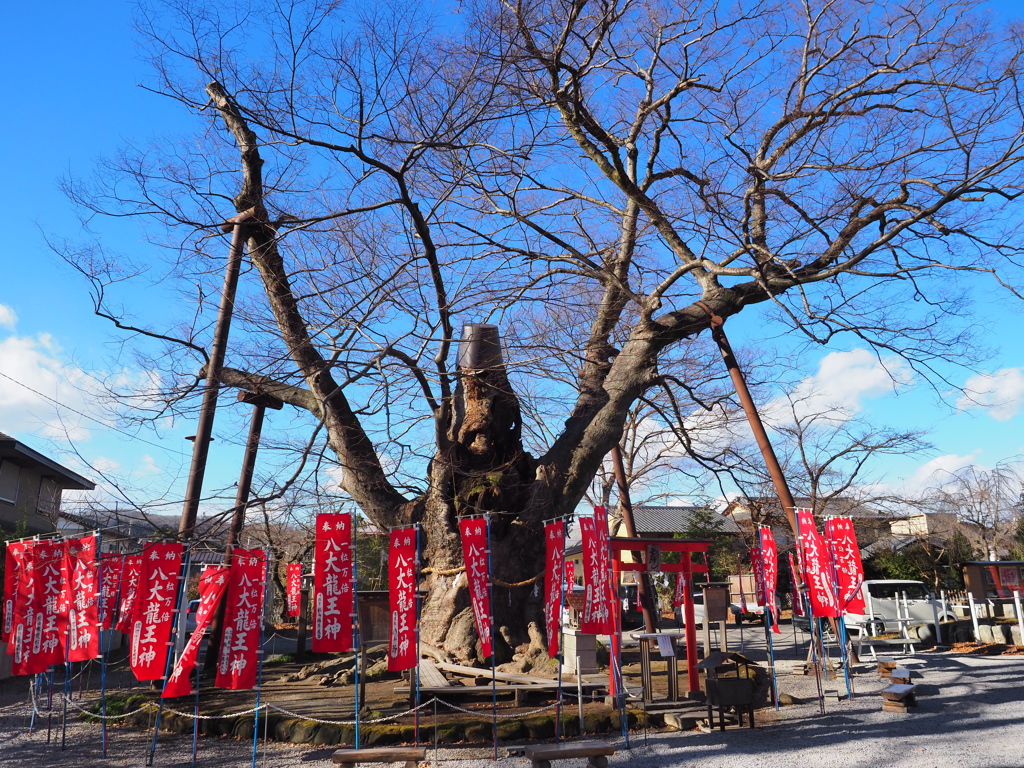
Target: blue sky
x,y
71,93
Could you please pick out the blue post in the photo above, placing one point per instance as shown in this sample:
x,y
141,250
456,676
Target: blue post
x,y
259,662
182,578
561,644
494,680
768,622
419,608
355,621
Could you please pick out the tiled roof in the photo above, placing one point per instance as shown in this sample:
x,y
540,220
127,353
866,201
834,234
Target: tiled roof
x,y
675,520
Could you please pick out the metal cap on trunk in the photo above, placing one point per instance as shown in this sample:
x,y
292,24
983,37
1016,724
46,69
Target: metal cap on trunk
x,y
480,347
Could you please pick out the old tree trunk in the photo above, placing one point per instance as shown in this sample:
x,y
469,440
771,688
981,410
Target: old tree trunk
x,y
479,466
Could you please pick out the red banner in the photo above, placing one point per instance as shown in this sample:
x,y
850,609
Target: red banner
x,y
212,584
817,572
111,567
81,582
570,573
478,577
130,579
770,574
842,545
402,585
293,589
153,614
758,569
554,567
798,603
240,645
597,610
26,619
332,583
13,558
677,599
55,602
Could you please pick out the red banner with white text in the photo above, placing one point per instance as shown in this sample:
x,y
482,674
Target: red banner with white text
x,y
12,566
554,567
153,612
25,638
213,582
240,645
81,582
402,586
332,583
293,589
770,571
54,608
817,571
111,568
131,578
597,610
798,603
478,577
842,546
758,569
570,573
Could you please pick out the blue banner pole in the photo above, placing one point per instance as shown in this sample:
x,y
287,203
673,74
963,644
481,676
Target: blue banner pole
x,y
182,578
494,680
356,645
419,608
561,644
259,660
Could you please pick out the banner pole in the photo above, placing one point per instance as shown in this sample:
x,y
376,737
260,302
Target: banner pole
x,y
419,609
840,622
768,620
195,705
66,559
494,680
180,592
356,645
561,643
104,608
259,661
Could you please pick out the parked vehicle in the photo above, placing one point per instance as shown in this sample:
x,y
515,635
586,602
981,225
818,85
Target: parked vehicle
x,y
887,609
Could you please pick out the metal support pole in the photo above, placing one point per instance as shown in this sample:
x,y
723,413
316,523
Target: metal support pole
x,y
756,426
211,389
252,445
644,591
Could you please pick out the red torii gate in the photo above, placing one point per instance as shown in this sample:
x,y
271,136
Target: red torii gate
x,y
685,567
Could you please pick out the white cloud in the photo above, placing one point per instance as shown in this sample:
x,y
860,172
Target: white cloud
x,y
147,466
843,382
8,318
36,375
105,465
1000,393
936,470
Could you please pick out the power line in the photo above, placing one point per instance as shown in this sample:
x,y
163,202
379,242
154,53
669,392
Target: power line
x,y
93,418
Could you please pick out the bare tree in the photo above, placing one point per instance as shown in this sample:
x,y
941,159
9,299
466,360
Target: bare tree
x,y
986,502
635,167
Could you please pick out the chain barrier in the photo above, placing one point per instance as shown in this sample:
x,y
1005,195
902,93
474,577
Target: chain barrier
x,y
500,717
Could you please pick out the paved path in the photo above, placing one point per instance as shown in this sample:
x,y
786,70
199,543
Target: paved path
x,y
971,715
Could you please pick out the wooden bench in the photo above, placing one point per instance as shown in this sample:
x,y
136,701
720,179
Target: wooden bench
x,y
898,697
596,753
412,756
900,675
430,675
886,664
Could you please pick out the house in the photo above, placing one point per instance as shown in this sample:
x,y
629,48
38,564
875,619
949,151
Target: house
x,y
31,487
870,523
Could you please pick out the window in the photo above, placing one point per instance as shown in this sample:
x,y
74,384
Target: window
x,y
895,591
49,498
10,475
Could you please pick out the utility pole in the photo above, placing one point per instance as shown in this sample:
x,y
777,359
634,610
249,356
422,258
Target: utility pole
x,y
643,589
211,388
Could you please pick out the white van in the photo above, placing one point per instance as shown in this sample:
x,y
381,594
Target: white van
x,y
888,600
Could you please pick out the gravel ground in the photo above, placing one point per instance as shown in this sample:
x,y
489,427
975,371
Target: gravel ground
x,y
969,716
